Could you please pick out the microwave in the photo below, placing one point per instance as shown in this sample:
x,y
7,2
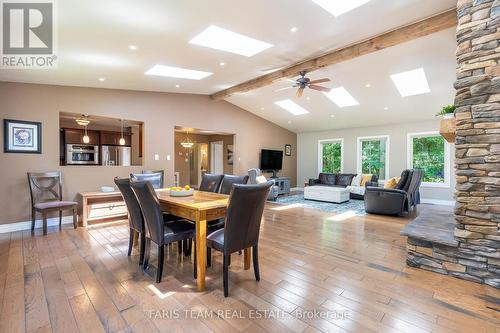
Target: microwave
x,y
82,154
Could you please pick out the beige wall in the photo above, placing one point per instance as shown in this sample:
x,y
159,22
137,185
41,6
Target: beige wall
x,y
308,152
160,113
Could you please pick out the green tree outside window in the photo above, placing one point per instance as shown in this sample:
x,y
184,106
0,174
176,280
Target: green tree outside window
x,y
373,156
428,155
332,157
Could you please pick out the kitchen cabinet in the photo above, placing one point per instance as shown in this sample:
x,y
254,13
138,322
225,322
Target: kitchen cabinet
x,y
113,138
75,136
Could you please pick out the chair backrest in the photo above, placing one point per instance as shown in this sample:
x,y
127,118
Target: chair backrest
x,y
155,178
210,182
135,219
150,207
253,174
404,182
244,214
45,186
415,180
229,180
162,172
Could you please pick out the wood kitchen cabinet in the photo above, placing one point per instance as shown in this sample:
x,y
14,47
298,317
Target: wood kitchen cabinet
x,y
75,136
113,138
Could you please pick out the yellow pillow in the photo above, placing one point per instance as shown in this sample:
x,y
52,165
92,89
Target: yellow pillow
x,y
392,182
365,178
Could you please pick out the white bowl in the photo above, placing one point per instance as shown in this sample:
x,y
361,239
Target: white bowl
x,y
182,193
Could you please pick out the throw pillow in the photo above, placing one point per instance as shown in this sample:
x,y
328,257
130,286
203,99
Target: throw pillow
x,y
391,183
260,179
356,180
366,178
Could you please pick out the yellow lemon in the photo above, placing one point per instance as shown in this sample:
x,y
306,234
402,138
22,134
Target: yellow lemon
x,y
187,187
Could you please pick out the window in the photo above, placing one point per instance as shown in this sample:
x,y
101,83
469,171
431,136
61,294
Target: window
x,y
373,156
331,154
431,153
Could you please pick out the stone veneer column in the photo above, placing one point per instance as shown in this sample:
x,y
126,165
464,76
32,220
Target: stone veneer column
x,y
477,141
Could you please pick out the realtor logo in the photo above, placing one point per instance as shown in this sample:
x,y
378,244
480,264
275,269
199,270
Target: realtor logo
x,y
28,34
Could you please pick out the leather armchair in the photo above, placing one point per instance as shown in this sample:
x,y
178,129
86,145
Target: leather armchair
x,y
252,179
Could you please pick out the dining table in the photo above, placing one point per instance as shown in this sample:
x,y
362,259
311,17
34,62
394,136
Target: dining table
x,y
199,208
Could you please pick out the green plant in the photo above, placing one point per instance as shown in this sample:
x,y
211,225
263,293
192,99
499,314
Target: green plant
x,y
446,110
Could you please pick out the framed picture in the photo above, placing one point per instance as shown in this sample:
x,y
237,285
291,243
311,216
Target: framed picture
x,y
288,150
230,154
22,136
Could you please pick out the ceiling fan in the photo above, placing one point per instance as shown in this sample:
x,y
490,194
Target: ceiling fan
x,y
303,82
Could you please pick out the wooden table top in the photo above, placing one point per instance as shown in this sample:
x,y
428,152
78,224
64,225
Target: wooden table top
x,y
198,201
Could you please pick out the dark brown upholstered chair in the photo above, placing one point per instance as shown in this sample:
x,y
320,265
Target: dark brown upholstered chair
x,y
46,197
241,231
135,219
210,182
229,180
154,177
155,228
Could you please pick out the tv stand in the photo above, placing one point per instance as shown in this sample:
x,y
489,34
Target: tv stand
x,y
283,184
275,174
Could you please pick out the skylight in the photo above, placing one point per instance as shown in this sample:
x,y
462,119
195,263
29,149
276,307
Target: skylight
x,y
177,72
341,97
225,40
411,82
339,7
291,107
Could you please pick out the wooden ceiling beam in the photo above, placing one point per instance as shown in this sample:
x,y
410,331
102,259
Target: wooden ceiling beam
x,y
387,39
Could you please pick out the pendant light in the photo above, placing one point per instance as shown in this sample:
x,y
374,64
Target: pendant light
x,y
84,121
122,139
187,143
86,138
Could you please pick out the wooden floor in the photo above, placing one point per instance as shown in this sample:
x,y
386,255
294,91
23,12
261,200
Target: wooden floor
x,y
82,280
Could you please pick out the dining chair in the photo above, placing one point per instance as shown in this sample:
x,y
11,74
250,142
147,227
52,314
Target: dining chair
x,y
229,180
154,177
135,218
46,196
241,230
156,230
210,182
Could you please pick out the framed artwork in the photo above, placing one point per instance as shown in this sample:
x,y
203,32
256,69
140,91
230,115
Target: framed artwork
x,y
22,136
229,154
288,150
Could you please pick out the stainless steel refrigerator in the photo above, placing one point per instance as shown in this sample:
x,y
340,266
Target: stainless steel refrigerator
x,y
115,155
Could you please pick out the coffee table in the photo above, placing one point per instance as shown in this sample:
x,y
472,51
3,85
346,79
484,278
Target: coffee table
x,y
326,193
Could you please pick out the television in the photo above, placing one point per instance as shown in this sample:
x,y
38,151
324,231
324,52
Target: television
x,y
271,160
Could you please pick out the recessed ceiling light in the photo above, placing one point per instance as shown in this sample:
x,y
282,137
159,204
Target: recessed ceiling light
x,y
291,107
368,85
308,98
332,116
222,64
262,108
386,108
182,73
225,40
411,82
293,29
289,121
102,79
341,97
177,86
132,47
339,7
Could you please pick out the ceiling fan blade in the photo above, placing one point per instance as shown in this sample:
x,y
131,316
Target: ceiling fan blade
x,y
285,88
299,92
319,81
320,88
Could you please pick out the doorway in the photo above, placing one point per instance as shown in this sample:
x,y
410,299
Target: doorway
x,y
217,157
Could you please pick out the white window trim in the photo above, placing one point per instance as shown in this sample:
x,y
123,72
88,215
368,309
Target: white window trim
x,y
320,153
387,153
447,153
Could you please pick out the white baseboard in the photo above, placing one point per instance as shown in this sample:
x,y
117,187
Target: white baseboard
x,y
438,202
26,225
297,189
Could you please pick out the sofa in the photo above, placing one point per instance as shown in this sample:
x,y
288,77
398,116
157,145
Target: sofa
x,y
343,180
397,201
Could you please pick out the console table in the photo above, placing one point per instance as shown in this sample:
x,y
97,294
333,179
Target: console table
x,y
283,183
102,206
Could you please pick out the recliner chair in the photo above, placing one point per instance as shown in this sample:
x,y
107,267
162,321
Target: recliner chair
x,y
397,201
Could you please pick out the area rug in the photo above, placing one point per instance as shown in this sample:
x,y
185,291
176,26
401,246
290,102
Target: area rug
x,y
352,207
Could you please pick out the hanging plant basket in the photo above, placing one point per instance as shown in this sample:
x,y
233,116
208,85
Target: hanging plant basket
x,y
448,127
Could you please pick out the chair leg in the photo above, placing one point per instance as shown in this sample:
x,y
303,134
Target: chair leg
x,y
60,219
256,270
147,248
209,257
179,247
188,247
33,219
225,275
159,271
44,219
229,260
75,219
130,242
142,247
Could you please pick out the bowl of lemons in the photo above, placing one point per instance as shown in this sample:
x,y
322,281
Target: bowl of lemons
x,y
181,191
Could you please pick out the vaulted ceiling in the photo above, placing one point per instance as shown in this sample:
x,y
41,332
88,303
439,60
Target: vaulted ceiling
x,y
94,39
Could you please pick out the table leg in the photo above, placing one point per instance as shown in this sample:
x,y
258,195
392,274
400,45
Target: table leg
x,y
201,248
246,258
84,212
